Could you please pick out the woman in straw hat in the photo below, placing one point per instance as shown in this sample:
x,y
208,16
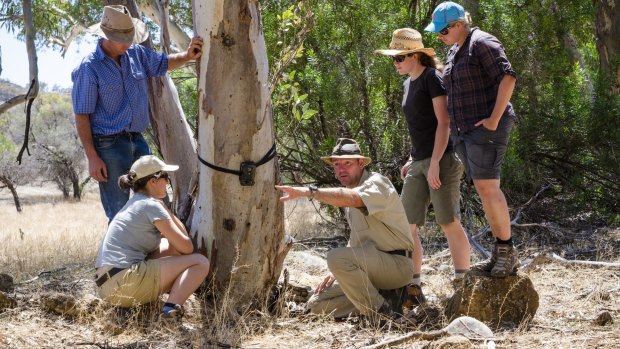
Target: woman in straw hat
x,y
479,82
146,250
433,172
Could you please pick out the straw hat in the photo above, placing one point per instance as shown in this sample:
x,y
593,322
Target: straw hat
x,y
118,25
147,165
346,148
404,41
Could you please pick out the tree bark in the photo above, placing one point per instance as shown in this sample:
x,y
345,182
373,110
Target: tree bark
x,y
33,68
9,184
607,43
174,137
239,227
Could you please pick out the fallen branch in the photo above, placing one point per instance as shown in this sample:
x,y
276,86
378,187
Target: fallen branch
x,y
552,257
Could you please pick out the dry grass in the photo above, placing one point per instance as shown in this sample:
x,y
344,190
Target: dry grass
x,y
62,238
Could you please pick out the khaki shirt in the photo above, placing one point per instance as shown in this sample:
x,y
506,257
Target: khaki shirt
x,y
383,221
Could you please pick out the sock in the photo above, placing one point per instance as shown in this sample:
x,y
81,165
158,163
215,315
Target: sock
x,y
504,242
416,280
460,273
168,307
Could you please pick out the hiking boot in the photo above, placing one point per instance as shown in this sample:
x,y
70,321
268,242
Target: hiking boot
x,y
507,261
457,284
488,264
414,296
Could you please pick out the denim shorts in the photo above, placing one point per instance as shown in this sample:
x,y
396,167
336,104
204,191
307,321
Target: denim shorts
x,y
417,195
482,150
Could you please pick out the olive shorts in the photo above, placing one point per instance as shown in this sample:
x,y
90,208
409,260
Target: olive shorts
x,y
417,195
133,286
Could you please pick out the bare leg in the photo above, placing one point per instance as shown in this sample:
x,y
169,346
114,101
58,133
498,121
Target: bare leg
x,y
458,243
495,206
182,275
416,257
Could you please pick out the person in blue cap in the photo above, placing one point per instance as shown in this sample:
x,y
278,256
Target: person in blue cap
x,y
479,82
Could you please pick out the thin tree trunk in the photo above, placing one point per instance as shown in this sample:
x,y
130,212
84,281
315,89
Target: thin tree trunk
x,y
239,227
607,43
33,68
9,184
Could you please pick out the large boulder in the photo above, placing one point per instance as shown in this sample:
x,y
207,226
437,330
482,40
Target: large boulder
x,y
505,302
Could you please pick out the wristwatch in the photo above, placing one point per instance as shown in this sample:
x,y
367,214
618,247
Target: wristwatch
x,y
313,190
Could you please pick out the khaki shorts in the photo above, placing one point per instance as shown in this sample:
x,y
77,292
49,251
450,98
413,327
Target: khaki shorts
x,y
417,195
133,286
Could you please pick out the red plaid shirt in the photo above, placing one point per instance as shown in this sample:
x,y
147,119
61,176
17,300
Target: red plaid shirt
x,y
472,75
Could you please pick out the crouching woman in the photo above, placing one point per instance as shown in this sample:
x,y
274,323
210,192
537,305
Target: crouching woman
x,y
146,251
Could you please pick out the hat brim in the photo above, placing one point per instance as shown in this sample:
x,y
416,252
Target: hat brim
x,y
170,168
435,27
329,159
140,34
427,51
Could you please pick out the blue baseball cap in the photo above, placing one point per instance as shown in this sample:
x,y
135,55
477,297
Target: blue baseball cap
x,y
444,14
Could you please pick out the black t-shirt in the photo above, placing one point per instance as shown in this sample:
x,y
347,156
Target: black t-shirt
x,y
419,112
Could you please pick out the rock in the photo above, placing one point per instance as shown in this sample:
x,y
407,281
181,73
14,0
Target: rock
x,y
6,283
452,342
507,301
603,318
60,304
6,302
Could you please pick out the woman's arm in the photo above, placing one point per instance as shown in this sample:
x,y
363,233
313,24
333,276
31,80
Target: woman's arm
x,y
173,230
504,93
442,136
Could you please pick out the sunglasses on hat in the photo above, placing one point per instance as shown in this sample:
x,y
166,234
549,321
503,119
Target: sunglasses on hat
x,y
401,58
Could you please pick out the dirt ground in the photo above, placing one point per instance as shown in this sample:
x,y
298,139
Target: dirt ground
x,y
57,307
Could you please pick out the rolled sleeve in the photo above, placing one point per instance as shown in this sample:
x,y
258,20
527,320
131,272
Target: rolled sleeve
x,y
373,193
493,59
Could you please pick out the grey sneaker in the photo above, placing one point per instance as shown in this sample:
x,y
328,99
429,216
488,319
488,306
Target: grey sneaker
x,y
507,261
488,264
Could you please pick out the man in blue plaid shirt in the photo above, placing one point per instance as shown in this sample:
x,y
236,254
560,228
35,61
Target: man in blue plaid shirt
x,y
110,98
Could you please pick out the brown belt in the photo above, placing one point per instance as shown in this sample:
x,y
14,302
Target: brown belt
x,y
108,275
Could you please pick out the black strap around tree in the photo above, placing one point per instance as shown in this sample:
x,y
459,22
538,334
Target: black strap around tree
x,y
270,155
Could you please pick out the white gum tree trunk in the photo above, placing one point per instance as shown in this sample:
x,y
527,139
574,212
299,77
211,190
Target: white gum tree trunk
x,y
240,228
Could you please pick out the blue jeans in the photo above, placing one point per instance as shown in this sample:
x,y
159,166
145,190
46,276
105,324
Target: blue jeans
x,y
118,152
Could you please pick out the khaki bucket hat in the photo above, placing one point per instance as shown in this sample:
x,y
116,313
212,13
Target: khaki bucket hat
x,y
346,148
118,25
404,41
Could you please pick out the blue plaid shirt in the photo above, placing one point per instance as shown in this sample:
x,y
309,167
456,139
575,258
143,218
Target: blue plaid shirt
x,y
116,97
472,75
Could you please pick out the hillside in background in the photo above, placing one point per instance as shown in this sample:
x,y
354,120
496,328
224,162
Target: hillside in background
x,y
9,89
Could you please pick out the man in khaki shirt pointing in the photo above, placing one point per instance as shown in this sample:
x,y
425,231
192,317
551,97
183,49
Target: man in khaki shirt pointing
x,y
378,255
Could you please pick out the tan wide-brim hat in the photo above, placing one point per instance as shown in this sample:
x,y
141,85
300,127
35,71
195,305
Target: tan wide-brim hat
x,y
404,41
147,165
346,148
118,25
